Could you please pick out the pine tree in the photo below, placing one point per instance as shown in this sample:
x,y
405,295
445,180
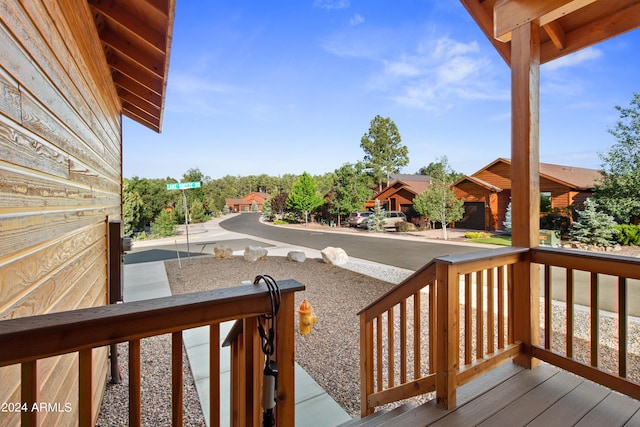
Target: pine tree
x,y
375,223
593,227
507,220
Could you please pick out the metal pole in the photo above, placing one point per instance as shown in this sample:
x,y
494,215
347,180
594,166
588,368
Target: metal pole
x,y
186,222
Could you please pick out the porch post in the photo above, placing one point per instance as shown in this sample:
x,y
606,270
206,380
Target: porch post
x,y
525,181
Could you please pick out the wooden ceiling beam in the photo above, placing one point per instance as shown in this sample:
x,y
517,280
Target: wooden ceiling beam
x,y
141,116
136,29
143,77
152,63
133,99
598,31
129,85
511,14
485,22
556,34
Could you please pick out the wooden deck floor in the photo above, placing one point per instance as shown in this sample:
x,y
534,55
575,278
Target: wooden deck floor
x,y
512,396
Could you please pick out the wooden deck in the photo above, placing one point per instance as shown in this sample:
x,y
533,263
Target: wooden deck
x,y
512,396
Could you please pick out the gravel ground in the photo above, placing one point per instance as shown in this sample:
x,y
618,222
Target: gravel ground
x,y
330,354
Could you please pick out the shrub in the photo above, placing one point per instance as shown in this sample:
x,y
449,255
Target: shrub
x,y
629,234
280,222
404,226
164,225
477,235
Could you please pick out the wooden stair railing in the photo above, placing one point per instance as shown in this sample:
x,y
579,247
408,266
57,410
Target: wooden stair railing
x,y
27,340
487,333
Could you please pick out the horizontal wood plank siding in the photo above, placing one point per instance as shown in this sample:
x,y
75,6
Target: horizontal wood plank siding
x,y
60,180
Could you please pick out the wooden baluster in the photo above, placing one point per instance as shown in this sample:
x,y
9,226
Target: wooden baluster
x,y
403,342
468,319
595,319
433,329
622,327
569,297
479,314
379,353
490,312
391,348
85,387
501,308
417,339
214,375
29,393
547,307
176,379
135,406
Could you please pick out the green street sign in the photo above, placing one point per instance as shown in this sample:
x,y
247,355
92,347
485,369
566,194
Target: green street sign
x,y
183,185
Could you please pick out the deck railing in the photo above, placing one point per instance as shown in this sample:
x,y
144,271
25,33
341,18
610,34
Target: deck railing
x,y
467,325
594,291
28,340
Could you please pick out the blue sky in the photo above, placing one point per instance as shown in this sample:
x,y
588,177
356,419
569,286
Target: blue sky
x,y
283,86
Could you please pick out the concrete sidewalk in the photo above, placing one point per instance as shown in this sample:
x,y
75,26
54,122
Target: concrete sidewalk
x,y
314,407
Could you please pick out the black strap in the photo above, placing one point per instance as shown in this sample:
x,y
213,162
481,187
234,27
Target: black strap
x,y
269,319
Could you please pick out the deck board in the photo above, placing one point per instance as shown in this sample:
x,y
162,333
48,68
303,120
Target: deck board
x,y
510,395
615,410
526,408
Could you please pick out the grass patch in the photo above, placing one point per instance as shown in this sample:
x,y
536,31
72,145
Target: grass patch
x,y
496,240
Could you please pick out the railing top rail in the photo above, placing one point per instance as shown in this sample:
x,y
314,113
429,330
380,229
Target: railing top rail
x,y
481,255
614,265
401,291
35,337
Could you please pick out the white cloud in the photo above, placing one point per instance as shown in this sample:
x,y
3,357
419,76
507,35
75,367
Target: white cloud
x,y
356,20
332,4
576,58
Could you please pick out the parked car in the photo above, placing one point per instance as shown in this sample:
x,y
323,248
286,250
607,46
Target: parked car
x,y
359,219
394,217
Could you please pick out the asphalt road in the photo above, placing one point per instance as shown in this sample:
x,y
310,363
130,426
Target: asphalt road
x,y
401,253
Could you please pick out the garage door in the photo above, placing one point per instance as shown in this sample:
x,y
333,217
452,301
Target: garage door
x,y
473,216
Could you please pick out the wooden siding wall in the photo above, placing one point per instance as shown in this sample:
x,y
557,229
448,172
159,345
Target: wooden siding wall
x,y
60,181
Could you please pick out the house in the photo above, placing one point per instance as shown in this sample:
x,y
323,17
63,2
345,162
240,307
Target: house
x,y
245,204
69,71
399,194
487,193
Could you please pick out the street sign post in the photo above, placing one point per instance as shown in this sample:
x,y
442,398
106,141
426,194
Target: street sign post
x,y
185,186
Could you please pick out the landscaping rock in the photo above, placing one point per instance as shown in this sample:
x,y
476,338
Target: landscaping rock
x,y
296,256
222,252
334,256
254,253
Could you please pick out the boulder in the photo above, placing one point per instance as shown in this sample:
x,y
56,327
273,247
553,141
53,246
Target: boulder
x,y
296,256
334,256
254,253
222,252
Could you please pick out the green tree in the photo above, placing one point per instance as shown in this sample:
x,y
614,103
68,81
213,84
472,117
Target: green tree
x,y
164,225
375,222
254,206
351,188
439,202
132,205
196,212
618,189
383,152
304,196
267,212
593,227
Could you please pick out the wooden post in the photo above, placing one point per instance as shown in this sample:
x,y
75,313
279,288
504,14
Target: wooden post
x,y
525,181
285,326
448,335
